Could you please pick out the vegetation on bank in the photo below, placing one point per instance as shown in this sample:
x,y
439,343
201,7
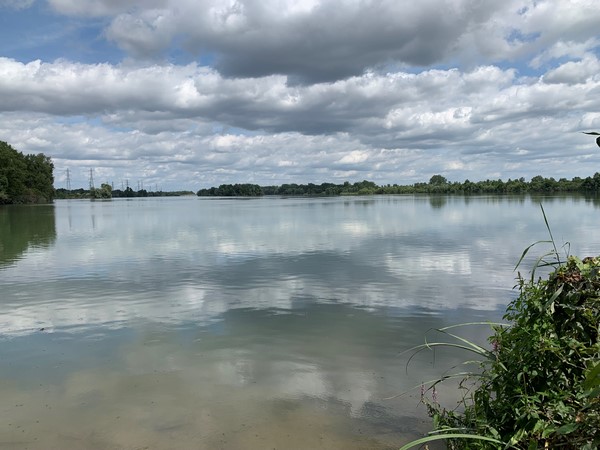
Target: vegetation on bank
x,y
106,189
539,385
30,179
102,193
25,178
232,190
437,184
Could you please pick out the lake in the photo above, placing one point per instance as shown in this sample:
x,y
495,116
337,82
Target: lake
x,y
261,323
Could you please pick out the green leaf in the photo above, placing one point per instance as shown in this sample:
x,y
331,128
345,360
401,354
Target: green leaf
x,y
568,428
550,233
450,436
592,376
527,251
550,302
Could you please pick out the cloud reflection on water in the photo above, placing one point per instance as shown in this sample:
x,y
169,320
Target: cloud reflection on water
x,y
234,324
201,258
322,369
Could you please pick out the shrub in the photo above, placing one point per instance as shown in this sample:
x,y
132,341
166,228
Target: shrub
x,y
539,385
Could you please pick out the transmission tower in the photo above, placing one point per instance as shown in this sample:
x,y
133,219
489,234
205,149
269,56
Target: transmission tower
x,y
91,179
68,180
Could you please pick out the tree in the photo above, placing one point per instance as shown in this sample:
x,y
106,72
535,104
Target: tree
x,y
438,180
104,192
25,178
40,179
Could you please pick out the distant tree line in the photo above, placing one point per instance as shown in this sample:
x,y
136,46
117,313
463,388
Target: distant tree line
x,y
232,190
310,189
437,184
130,193
324,189
538,184
106,191
25,178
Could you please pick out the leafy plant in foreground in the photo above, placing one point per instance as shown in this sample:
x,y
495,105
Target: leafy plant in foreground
x,y
539,385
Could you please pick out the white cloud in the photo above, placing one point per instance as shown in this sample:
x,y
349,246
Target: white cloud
x,y
323,41
565,49
192,120
146,34
575,72
315,91
355,157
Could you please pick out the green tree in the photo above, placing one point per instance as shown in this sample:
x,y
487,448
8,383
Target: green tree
x,y
437,180
40,178
25,179
104,192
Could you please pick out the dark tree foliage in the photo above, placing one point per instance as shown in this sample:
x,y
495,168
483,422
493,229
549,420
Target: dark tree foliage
x,y
437,180
128,192
80,193
103,193
25,178
232,190
539,386
438,184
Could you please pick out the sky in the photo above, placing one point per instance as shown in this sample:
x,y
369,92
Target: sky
x,y
188,94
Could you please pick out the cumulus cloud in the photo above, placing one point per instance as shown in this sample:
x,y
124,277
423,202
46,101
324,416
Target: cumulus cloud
x,y
400,104
316,91
319,41
309,42
574,72
207,128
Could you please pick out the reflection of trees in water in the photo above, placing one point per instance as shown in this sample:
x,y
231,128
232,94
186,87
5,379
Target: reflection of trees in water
x,y
24,227
438,201
593,199
573,197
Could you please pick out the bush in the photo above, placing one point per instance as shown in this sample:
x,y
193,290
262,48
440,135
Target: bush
x,y
542,389
539,385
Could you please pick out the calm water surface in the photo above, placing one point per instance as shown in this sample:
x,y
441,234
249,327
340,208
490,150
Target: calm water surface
x,y
248,324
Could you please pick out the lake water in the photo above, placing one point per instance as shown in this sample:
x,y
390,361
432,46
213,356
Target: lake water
x,y
249,323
